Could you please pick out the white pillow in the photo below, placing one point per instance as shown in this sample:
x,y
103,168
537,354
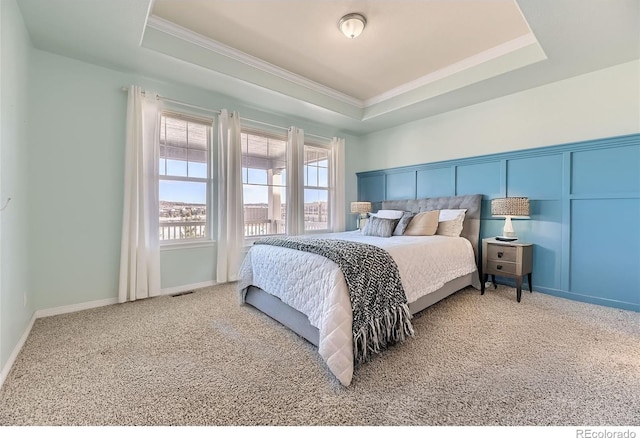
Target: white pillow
x,y
389,214
449,215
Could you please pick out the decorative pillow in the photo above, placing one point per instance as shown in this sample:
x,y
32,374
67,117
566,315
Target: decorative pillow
x,y
388,214
448,215
379,227
452,228
423,224
403,223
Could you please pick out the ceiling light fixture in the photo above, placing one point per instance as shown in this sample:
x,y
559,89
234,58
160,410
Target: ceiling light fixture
x,y
352,25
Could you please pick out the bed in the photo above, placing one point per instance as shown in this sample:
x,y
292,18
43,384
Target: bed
x,y
308,294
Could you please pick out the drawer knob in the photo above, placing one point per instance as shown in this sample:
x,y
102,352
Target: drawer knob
x,y
499,267
500,254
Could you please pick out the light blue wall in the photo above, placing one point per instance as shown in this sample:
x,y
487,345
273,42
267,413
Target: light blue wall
x,y
15,270
601,104
585,210
76,163
181,267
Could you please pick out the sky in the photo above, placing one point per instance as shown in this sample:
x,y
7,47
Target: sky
x,y
196,192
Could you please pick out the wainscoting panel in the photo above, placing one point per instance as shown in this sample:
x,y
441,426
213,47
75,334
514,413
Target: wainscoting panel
x,y
535,177
585,210
482,178
371,188
606,171
605,245
401,185
433,183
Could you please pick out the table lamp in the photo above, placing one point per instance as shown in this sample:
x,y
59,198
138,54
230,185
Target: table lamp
x,y
362,208
508,208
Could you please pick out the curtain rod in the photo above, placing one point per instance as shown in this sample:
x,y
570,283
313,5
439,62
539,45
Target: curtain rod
x,y
166,99
218,112
282,127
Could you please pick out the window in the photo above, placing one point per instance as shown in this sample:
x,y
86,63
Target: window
x,y
316,188
184,177
264,170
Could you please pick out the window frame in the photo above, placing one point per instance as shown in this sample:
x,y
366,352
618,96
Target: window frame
x,y
329,149
249,130
208,239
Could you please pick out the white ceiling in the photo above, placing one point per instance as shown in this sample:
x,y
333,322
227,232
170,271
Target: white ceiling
x,y
414,59
402,42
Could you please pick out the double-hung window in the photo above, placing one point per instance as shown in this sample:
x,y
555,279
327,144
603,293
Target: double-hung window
x,y
264,169
316,187
185,180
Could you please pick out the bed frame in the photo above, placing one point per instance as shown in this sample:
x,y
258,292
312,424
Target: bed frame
x,y
298,321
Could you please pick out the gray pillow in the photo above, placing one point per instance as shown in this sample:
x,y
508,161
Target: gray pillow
x,y
379,227
403,223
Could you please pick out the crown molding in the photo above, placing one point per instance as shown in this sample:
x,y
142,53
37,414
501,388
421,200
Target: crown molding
x,y
467,63
146,20
207,43
190,36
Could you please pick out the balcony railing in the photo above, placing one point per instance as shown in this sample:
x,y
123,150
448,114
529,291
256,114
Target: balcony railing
x,y
315,226
182,230
264,227
197,229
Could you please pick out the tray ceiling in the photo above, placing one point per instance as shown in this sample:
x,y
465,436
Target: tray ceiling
x,y
415,59
409,50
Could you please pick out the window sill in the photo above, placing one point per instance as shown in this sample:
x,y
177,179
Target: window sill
x,y
248,241
187,245
312,232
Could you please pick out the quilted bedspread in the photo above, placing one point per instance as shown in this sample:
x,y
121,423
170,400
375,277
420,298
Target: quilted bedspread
x,y
315,286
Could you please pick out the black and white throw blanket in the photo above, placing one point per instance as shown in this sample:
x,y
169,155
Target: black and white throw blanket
x,y
380,312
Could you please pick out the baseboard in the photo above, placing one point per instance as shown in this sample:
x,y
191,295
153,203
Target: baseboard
x,y
573,296
75,307
14,354
187,287
109,301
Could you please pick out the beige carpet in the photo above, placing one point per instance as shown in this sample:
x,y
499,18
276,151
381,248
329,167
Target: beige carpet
x,y
201,359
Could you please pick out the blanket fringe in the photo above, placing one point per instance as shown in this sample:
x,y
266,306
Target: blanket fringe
x,y
394,326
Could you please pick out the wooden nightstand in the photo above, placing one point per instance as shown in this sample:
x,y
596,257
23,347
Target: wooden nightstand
x,y
506,259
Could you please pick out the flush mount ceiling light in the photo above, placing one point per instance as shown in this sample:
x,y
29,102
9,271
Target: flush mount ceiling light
x,y
351,25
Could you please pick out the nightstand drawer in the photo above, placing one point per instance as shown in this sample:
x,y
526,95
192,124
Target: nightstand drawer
x,y
506,259
500,266
501,252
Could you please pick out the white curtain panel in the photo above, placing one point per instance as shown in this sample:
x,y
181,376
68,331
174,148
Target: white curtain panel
x,y
230,204
295,183
140,250
337,220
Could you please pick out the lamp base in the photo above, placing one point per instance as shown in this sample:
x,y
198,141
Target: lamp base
x,y
362,220
506,239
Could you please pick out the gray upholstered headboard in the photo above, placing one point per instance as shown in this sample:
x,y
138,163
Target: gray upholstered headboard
x,y
471,225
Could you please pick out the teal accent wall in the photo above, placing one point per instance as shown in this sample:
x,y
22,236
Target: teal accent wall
x,y
15,270
585,210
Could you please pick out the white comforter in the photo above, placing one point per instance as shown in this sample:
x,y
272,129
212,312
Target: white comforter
x,y
315,286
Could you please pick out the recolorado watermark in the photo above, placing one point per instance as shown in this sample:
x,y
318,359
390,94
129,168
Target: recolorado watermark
x,y
605,433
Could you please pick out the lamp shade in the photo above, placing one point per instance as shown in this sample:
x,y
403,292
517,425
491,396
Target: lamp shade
x,y
352,25
510,207
360,207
